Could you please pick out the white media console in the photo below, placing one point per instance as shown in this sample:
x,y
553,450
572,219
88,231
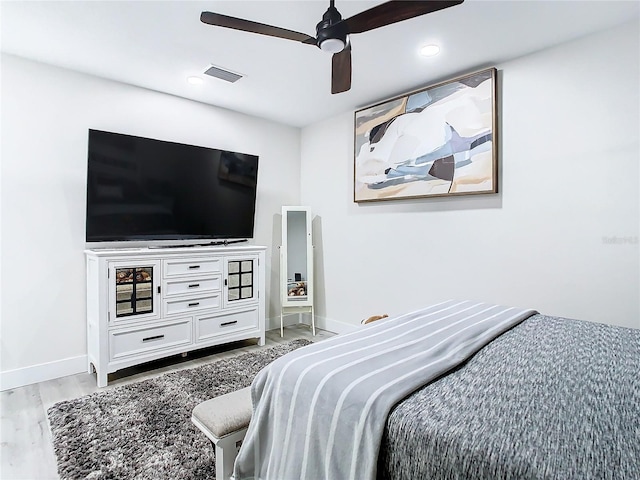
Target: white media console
x,y
148,303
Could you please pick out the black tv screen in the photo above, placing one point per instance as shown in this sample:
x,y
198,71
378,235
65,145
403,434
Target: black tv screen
x,y
145,189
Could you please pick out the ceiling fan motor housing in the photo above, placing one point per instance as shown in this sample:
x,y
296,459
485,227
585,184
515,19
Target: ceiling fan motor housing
x,y
331,32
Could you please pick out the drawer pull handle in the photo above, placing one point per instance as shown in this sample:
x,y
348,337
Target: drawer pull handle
x,y
226,324
194,285
193,267
194,304
157,337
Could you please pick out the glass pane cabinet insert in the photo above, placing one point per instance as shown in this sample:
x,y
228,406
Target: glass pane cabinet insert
x,y
134,291
240,280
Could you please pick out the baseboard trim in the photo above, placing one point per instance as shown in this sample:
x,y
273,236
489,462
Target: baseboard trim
x,y
335,326
21,377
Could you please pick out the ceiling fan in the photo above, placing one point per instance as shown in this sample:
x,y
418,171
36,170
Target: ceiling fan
x,y
332,32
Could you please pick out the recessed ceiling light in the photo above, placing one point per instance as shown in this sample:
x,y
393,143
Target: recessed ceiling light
x,y
194,80
429,50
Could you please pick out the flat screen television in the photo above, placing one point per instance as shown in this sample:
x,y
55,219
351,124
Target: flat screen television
x,y
144,189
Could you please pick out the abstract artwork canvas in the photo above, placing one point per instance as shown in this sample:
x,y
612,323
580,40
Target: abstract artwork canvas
x,y
437,141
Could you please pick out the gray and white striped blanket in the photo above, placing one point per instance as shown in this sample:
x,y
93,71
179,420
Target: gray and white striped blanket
x,y
319,412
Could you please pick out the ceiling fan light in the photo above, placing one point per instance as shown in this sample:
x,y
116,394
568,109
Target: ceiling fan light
x,y
332,45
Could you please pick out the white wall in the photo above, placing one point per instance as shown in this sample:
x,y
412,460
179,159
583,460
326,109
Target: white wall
x,y
561,237
46,113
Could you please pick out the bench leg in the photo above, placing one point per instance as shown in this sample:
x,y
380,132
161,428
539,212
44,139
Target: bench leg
x,y
226,452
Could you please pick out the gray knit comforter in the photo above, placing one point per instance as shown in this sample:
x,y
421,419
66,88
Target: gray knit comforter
x,y
552,398
319,412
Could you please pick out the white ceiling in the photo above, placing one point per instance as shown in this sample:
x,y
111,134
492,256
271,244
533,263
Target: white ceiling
x,y
157,44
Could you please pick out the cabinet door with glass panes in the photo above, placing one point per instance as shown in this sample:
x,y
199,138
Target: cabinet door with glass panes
x,y
133,291
241,280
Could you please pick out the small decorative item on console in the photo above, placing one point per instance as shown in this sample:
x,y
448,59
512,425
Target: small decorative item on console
x,y
373,318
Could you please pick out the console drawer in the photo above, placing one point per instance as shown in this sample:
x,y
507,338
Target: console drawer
x,y
216,325
140,341
192,285
192,303
192,266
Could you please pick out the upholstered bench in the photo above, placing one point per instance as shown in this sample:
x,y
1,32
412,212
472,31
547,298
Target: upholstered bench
x,y
224,420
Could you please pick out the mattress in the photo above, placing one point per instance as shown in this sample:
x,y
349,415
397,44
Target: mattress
x,y
552,398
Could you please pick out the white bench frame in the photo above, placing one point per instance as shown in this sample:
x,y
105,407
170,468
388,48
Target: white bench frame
x,y
226,449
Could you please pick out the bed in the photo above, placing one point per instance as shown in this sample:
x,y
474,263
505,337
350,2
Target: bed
x,y
539,397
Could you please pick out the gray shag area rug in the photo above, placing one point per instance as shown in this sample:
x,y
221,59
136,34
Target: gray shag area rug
x,y
144,430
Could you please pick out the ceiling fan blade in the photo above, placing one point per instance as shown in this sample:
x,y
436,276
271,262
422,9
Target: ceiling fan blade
x,y
394,11
341,70
220,20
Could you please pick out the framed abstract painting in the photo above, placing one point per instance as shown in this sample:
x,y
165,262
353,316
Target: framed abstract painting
x,y
437,141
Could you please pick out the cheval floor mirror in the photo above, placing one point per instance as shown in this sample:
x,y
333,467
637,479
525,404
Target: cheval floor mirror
x,y
296,264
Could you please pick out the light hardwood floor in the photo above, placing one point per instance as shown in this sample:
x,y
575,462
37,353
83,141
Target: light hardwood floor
x,y
26,448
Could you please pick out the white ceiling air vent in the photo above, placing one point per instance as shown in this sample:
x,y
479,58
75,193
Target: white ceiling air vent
x,y
222,74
